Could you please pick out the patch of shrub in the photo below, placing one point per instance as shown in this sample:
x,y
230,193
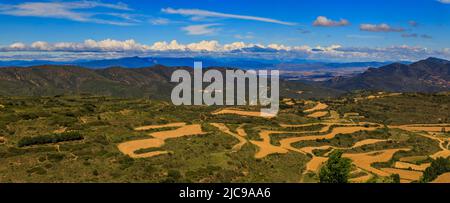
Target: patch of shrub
x,y
438,167
50,138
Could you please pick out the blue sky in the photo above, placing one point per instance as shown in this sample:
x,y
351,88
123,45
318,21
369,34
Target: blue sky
x,y
334,30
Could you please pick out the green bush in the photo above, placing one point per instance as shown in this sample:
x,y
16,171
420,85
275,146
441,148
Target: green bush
x,y
50,138
438,167
336,169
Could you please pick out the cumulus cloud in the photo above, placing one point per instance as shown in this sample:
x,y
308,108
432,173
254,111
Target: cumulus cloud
x,y
323,21
444,1
198,13
379,28
205,29
115,48
75,11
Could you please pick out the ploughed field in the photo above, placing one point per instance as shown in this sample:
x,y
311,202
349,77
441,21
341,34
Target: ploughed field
x,y
102,139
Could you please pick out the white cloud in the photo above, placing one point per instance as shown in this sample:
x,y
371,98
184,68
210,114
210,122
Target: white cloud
x,y
198,14
379,28
204,46
116,48
160,21
164,46
205,29
75,11
17,46
444,1
325,22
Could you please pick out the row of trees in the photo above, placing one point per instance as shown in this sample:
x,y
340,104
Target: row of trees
x,y
50,138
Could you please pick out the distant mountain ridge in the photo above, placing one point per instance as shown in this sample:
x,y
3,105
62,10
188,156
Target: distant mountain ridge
x,y
242,63
150,82
429,75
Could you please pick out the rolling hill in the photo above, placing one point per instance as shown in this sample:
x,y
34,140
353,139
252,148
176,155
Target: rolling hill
x,y
150,82
429,75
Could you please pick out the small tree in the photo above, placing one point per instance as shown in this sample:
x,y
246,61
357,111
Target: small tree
x,y
336,169
395,178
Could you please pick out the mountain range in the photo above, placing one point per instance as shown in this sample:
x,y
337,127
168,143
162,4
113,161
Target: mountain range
x,y
242,63
430,75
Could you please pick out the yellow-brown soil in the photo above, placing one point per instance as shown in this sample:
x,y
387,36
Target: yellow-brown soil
x,y
129,148
361,179
406,175
265,147
404,165
315,163
286,143
318,114
319,106
365,160
444,178
243,113
423,127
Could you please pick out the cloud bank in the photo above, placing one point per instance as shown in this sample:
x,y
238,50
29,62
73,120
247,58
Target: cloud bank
x,y
115,48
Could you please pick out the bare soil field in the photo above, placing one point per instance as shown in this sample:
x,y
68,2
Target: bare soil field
x,y
265,147
318,114
129,148
444,178
243,113
423,127
365,160
406,175
319,106
404,165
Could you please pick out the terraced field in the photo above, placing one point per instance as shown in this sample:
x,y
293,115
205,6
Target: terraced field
x,y
146,141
